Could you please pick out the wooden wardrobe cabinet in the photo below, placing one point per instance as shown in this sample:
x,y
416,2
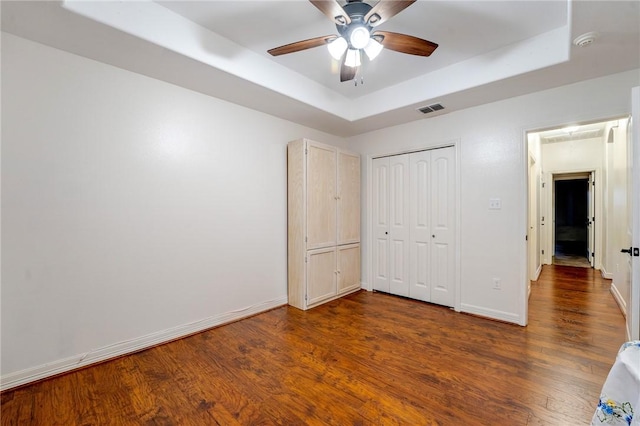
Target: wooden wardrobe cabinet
x,y
323,222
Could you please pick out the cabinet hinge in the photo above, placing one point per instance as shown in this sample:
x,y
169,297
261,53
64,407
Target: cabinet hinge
x,y
542,251
593,254
305,239
306,259
306,151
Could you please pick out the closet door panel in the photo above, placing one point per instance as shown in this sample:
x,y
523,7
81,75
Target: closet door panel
x,y
380,213
443,226
399,224
420,231
321,195
348,198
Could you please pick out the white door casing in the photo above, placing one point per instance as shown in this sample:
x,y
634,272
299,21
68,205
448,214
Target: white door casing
x,y
591,213
532,234
633,265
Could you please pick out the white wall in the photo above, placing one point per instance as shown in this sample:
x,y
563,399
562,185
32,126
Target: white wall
x,y
573,155
129,207
491,147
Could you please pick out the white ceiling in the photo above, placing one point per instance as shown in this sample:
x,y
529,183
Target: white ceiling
x,y
488,50
464,30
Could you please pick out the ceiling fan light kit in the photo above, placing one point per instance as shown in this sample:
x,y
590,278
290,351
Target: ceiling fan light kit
x,y
373,49
354,22
353,58
359,37
337,48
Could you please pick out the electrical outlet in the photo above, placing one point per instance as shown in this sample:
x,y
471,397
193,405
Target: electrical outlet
x,y
495,203
496,284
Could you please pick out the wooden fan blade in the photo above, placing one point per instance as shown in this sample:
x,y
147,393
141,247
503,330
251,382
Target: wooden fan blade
x,y
333,10
385,9
301,45
406,43
347,73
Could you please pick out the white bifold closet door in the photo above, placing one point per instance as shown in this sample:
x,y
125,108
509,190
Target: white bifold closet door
x,y
414,225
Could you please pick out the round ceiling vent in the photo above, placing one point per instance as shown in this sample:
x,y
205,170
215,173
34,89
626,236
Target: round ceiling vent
x,y
585,39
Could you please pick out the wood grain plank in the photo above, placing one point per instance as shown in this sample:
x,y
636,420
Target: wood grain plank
x,y
365,359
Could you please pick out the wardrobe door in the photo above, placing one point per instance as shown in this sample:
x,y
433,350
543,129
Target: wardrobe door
x,y
348,267
321,195
380,218
399,225
321,275
348,198
443,226
420,219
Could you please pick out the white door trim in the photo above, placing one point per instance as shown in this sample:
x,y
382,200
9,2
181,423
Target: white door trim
x,y
633,322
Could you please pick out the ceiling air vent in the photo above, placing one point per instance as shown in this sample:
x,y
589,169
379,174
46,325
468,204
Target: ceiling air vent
x,y
430,108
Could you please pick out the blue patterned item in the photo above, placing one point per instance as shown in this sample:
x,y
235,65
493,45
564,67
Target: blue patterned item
x,y
621,391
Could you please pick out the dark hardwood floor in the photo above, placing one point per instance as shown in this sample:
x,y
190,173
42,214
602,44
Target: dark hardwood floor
x,y
366,359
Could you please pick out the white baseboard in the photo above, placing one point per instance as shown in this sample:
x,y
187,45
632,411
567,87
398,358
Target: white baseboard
x,y
538,272
491,313
50,369
605,274
619,299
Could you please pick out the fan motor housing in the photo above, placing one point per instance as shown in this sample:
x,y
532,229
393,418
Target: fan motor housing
x,y
356,10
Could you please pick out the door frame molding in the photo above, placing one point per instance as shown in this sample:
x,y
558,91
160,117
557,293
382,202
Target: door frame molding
x,y
598,209
633,319
366,246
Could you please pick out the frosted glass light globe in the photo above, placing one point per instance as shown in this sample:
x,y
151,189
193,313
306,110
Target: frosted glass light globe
x,y
337,48
359,37
353,58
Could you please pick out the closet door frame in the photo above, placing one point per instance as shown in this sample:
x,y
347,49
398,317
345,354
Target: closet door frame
x,y
367,244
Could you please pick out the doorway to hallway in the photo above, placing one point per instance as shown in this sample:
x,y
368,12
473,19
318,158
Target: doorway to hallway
x,y
573,220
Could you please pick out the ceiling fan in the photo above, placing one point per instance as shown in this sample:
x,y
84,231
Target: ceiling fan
x,y
355,22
